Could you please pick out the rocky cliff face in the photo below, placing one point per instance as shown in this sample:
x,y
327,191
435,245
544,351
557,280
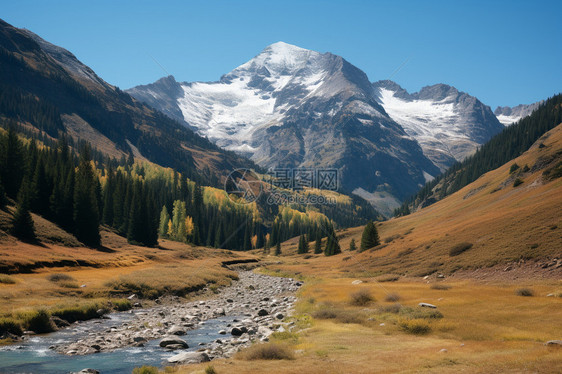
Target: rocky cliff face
x,y
509,115
448,124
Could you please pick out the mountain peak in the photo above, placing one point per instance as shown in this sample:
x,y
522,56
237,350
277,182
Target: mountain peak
x,y
280,59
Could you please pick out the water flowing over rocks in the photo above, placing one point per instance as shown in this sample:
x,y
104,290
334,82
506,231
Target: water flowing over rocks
x,y
258,303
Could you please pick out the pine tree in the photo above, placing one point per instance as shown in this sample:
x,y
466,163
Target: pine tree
x,y
305,246
3,200
22,223
318,245
12,163
352,246
86,218
278,249
370,236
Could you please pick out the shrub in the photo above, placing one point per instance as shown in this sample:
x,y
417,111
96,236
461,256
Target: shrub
x,y
361,297
440,286
517,182
340,315
388,278
38,321
269,351
57,277
459,248
524,292
10,325
145,370
415,326
6,279
73,285
420,313
121,304
394,308
392,297
513,168
210,370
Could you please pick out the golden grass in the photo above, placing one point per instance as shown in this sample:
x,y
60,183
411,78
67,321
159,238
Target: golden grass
x,y
479,333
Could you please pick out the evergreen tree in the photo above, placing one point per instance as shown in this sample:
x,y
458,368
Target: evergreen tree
x,y
318,245
22,223
370,236
3,200
86,218
278,249
303,245
12,163
352,246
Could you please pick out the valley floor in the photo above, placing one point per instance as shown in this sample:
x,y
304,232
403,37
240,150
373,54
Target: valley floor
x,y
485,327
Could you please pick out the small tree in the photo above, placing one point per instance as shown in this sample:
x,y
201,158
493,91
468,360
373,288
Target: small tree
x,y
164,219
370,237
22,223
352,246
303,245
278,249
318,245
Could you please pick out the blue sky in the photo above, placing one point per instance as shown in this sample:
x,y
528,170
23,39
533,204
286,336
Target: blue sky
x,y
503,52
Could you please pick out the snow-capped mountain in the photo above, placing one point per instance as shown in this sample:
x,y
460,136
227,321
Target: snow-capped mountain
x,y
509,115
448,124
292,107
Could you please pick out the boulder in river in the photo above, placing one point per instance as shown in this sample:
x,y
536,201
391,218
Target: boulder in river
x,y
262,312
173,340
176,330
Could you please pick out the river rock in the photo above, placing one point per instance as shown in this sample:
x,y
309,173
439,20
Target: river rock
x,y
279,315
262,312
189,358
173,340
176,330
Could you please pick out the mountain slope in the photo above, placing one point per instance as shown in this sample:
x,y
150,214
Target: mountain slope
x,y
510,143
45,88
448,124
508,115
291,107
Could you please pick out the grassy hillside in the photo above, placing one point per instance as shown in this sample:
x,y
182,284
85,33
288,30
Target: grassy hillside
x,y
505,146
501,224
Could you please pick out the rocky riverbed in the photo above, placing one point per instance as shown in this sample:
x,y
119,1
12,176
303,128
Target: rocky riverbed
x,y
258,303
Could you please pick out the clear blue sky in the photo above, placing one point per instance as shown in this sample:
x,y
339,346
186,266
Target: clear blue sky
x,y
503,52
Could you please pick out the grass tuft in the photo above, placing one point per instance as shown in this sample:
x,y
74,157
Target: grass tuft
x,y
269,351
121,305
38,321
10,325
524,292
58,277
440,286
6,279
415,326
392,297
210,370
362,297
388,278
459,248
146,370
